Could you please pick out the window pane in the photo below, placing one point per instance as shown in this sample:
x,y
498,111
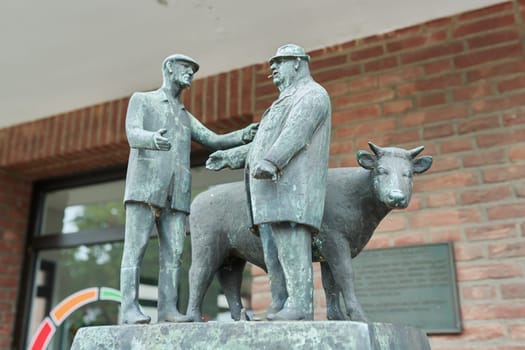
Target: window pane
x,y
84,208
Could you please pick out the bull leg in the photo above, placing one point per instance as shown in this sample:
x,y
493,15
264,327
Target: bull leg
x,y
207,256
200,277
230,278
337,253
331,291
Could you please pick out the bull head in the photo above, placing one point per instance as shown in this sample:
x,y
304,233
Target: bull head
x,y
391,171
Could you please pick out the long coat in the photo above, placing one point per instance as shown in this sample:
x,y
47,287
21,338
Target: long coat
x,y
294,135
163,178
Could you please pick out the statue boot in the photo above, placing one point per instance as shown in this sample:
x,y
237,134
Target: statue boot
x,y
129,289
168,295
294,247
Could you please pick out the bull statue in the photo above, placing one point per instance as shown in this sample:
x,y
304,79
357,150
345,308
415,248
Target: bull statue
x,y
357,199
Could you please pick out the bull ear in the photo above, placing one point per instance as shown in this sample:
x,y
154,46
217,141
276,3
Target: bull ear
x,y
422,164
366,160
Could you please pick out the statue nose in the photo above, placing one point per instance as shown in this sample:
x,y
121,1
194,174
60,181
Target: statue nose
x,y
396,198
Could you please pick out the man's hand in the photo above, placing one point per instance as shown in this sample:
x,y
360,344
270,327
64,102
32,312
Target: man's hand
x,y
218,160
249,132
265,170
161,143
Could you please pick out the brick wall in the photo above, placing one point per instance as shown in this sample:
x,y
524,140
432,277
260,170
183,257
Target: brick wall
x,y
14,209
455,85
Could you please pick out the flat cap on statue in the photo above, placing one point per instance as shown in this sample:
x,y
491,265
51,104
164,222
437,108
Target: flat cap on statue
x,y
184,58
290,50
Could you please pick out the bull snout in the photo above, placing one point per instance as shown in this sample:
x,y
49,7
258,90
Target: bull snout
x,y
397,199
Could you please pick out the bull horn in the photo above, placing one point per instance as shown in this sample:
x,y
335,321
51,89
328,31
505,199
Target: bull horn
x,y
376,149
414,152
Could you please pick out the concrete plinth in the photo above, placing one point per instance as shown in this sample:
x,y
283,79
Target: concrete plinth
x,y
253,335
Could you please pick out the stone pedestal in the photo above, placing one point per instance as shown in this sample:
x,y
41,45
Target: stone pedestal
x,y
253,335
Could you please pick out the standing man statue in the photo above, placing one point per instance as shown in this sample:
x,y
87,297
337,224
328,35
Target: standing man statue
x,y
285,172
158,183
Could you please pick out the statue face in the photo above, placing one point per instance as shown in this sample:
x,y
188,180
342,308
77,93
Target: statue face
x,y
283,70
182,73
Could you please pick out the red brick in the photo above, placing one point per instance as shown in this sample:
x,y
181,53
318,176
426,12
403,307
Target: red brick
x,y
488,55
503,174
483,25
400,75
493,38
486,11
486,195
491,232
517,153
506,211
425,39
407,239
440,22
360,113
451,235
366,128
234,99
373,96
500,138
496,70
222,95
458,145
378,241
408,30
434,115
363,83
443,66
445,181
484,158
432,52
517,331
337,73
369,52
506,250
437,131
342,147
511,84
475,123
397,106
247,91
392,138
493,311
478,332
514,118
445,164
444,217
478,292
437,83
441,199
328,62
336,89
472,92
392,223
489,271
431,100
381,64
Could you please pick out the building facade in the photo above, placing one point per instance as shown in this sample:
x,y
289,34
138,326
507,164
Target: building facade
x,y
455,85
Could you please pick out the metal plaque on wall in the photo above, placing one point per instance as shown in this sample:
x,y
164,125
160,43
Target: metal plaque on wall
x,y
413,286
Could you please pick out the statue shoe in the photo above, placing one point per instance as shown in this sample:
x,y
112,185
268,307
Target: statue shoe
x,y
271,311
184,319
287,314
170,317
135,317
